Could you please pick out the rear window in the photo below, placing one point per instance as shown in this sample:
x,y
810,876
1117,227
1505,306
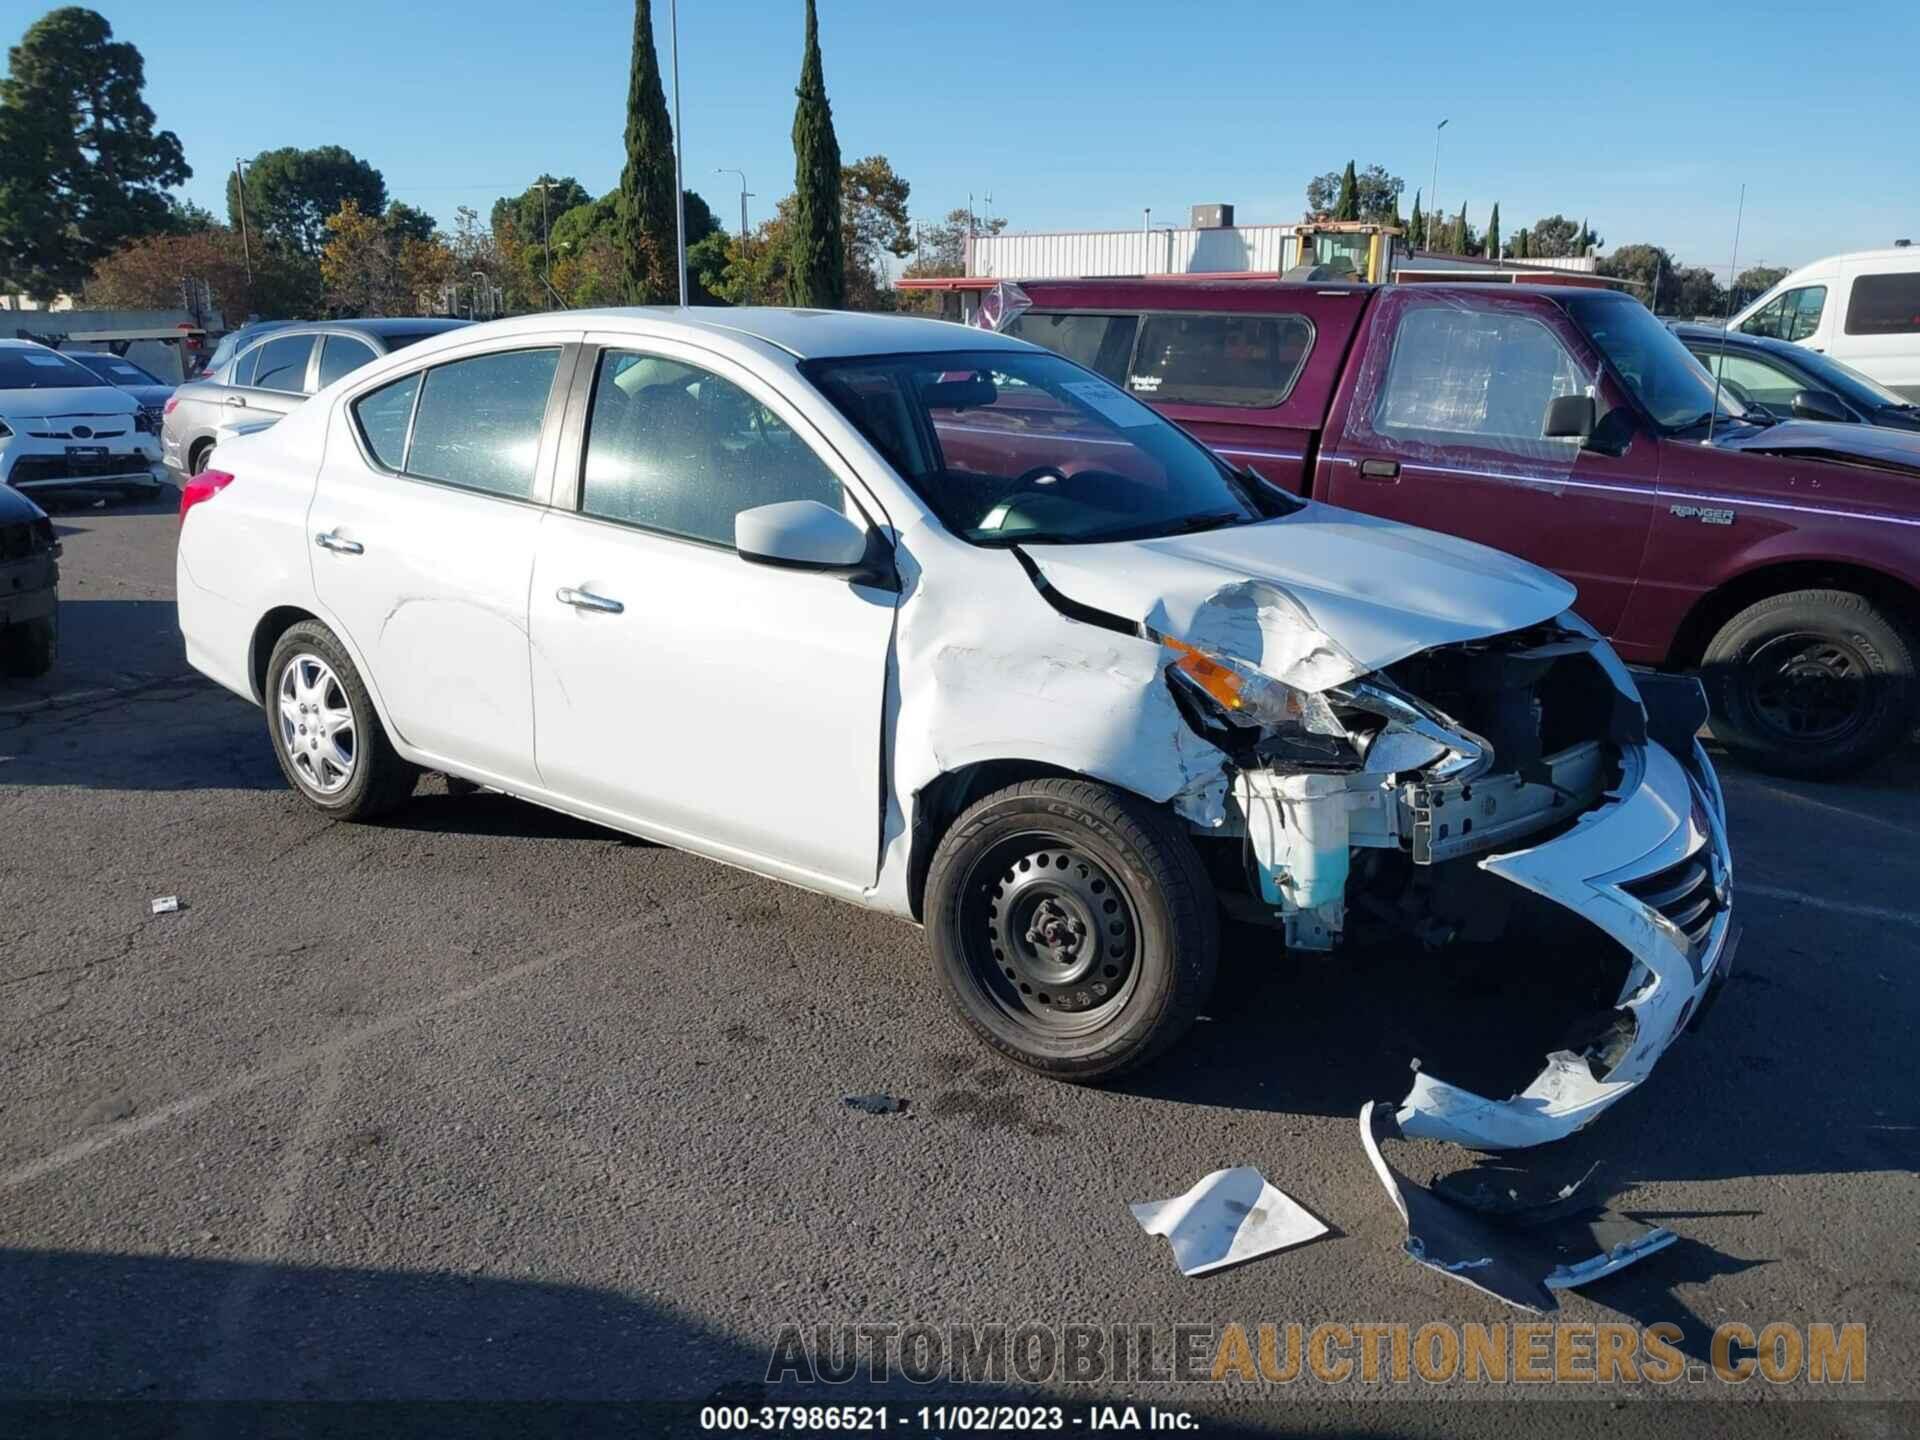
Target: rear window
x,y
1885,305
1102,343
1224,359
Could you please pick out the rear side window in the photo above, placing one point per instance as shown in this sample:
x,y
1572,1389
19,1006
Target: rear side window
x,y
1885,305
1240,360
383,416
283,364
342,355
1102,343
477,424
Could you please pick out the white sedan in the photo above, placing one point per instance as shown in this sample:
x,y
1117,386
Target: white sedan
x,y
937,622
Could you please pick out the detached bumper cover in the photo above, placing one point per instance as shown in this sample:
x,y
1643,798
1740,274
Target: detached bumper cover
x,y
1651,869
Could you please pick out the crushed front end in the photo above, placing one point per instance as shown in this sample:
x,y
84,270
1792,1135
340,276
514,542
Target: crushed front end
x,y
1426,799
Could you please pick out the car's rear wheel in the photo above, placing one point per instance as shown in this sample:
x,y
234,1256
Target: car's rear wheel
x,y
1073,927
28,649
198,456
1813,683
325,732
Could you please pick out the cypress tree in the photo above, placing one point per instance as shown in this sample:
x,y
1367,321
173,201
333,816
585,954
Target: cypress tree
x,y
1416,227
644,210
1347,207
816,273
1493,233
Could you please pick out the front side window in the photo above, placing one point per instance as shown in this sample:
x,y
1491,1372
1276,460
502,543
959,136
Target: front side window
x,y
1885,305
1013,446
1769,321
282,364
477,422
1102,343
1225,359
1803,310
1485,376
342,355
674,448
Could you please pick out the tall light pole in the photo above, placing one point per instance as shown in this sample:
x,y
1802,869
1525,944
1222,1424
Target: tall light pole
x,y
1433,187
246,245
745,195
544,184
679,190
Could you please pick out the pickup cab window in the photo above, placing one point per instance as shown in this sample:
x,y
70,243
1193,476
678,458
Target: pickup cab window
x,y
1484,377
1220,359
1102,343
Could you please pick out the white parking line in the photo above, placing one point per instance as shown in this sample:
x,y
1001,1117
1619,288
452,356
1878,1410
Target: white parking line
x,y
1822,902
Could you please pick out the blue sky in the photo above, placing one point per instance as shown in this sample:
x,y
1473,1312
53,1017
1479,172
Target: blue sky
x,y
1076,114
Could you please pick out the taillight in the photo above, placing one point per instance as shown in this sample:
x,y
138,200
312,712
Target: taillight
x,y
172,400
204,486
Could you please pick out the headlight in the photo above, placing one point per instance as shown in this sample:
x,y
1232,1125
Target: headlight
x,y
1245,695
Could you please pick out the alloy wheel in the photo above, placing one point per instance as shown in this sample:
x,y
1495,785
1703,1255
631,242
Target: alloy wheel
x,y
317,730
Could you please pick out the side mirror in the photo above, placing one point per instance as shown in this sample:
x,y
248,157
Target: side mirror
x,y
1819,405
801,535
1569,417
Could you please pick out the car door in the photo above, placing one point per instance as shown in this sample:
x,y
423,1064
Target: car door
x,y
1442,428
727,706
423,526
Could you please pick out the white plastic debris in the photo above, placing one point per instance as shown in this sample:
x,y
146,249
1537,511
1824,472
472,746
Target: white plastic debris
x,y
1230,1216
166,904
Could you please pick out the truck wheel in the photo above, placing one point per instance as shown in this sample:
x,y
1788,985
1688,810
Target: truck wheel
x,y
326,735
1813,683
27,649
1073,927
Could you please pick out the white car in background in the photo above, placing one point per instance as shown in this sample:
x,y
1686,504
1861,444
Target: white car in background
x,y
940,623
63,429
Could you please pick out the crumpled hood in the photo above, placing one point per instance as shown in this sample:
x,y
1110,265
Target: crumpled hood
x,y
82,402
1313,599
1865,444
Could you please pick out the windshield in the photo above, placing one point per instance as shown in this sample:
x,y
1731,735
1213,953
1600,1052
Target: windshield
x,y
120,372
1674,388
37,368
1007,446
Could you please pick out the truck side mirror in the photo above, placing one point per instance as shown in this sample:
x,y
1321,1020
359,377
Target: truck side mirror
x,y
1818,405
1569,417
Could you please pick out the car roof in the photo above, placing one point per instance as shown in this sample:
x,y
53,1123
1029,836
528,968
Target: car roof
x,y
804,334
1694,330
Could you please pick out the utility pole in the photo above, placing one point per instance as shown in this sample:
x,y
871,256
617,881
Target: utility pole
x,y
745,195
679,189
1433,187
544,184
246,245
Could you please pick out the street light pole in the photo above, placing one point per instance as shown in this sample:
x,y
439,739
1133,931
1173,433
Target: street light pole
x,y
546,227
246,245
745,195
679,190
1433,187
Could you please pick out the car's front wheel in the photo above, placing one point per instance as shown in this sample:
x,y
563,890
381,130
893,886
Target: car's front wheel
x,y
325,732
1815,683
1073,927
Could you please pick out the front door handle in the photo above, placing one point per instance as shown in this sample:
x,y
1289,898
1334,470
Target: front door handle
x,y
1380,469
239,400
327,540
587,600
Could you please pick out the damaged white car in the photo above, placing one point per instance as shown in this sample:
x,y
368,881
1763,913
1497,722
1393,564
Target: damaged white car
x,y
940,623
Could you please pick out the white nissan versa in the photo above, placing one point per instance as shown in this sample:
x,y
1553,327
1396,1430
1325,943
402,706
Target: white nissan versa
x,y
938,622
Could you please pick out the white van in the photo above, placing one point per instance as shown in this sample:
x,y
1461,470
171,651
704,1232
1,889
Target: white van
x,y
1862,308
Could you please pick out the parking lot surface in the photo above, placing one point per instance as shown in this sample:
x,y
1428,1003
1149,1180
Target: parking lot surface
x,y
483,1103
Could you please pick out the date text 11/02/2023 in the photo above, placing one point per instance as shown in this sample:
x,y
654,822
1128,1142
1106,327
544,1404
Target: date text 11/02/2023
x,y
989,1419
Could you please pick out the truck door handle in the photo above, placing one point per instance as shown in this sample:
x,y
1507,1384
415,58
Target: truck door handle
x,y
1380,469
587,600
327,540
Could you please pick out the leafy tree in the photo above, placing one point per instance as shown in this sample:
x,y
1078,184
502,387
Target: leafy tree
x,y
941,250
1417,226
1493,233
1347,205
1754,281
817,273
291,194
1642,264
403,222
1522,239
874,223
1377,194
358,263
147,274
186,218
532,209
82,168
646,226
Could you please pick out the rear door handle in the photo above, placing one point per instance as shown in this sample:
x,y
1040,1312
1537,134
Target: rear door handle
x,y
1380,469
330,541
587,600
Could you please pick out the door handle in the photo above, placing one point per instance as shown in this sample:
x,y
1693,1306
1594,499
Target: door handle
x,y
330,541
587,600
239,400
1380,469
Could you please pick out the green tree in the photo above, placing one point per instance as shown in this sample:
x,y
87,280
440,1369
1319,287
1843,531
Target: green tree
x,y
645,209
1376,192
1643,264
817,273
1754,281
536,208
403,222
1493,233
1553,236
82,168
874,224
1347,205
1521,240
1416,226
292,193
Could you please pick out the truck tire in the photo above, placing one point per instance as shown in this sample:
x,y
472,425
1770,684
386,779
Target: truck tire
x,y
1073,927
27,649
325,732
1812,683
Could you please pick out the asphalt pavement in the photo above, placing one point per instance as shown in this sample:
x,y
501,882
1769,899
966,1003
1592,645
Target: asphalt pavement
x,y
484,1104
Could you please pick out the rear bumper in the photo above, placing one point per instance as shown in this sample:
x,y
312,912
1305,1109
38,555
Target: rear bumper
x,y
1651,869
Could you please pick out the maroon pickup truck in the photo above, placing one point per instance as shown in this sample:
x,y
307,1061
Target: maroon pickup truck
x,y
1568,426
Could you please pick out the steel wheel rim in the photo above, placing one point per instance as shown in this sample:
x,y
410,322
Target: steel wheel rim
x,y
317,731
1050,939
1809,689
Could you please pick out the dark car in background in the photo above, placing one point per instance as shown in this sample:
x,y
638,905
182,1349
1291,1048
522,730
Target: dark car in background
x,y
29,576
1791,382
147,389
276,372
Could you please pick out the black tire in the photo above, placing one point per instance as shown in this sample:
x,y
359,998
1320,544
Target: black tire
x,y
377,780
1813,683
28,649
1032,898
197,457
